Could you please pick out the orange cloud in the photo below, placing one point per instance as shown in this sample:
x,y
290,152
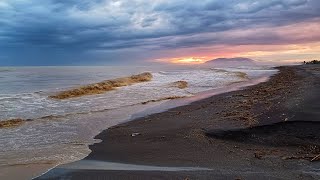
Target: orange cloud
x,y
290,43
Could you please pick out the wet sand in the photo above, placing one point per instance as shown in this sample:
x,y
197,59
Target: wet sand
x,y
267,131
24,171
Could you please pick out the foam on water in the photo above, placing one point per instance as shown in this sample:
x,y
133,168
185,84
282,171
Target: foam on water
x,y
36,105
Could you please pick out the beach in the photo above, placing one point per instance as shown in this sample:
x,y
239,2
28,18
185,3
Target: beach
x,y
269,130
54,118
120,89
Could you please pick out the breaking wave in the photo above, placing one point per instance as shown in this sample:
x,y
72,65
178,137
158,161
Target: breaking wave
x,y
241,75
104,86
6,69
179,84
163,99
11,123
164,86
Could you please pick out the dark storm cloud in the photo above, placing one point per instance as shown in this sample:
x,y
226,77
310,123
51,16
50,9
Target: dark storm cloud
x,y
60,32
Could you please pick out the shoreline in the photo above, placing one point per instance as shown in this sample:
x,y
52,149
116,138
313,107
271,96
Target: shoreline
x,y
182,136
36,170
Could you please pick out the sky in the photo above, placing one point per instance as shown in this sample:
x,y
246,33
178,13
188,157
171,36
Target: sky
x,y
129,32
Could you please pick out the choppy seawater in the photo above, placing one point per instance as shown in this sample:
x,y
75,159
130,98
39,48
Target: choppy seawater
x,y
61,130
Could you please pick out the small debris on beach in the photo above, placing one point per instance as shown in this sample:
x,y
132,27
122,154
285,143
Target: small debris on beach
x,y
135,134
296,157
259,154
316,158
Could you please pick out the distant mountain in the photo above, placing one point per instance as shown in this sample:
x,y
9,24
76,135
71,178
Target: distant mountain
x,y
231,62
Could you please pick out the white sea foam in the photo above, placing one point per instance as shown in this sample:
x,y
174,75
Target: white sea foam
x,y
36,105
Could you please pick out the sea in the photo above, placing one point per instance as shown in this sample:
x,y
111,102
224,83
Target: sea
x,y
59,131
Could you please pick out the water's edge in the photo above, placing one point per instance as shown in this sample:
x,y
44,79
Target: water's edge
x,y
166,106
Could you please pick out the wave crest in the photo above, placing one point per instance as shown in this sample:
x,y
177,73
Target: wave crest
x,y
241,75
11,123
179,84
104,86
162,99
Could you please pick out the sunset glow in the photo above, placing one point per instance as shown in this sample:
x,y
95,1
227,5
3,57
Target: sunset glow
x,y
185,60
277,53
290,43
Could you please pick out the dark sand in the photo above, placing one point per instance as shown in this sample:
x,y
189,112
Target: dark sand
x,y
267,131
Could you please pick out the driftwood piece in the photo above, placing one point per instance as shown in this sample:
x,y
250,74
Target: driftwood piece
x,y
316,158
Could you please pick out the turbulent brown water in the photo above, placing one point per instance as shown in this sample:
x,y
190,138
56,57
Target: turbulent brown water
x,y
104,86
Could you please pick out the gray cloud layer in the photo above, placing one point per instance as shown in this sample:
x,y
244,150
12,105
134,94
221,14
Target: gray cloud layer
x,y
66,32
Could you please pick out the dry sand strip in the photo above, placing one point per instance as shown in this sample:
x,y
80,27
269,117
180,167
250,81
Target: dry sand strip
x,y
233,133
